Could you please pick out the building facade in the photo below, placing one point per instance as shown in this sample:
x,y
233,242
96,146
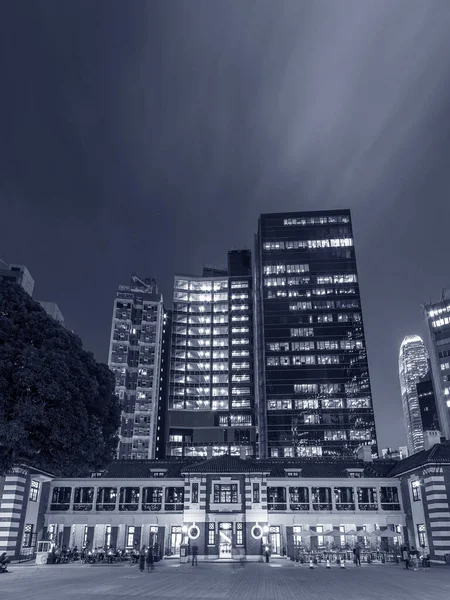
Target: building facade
x,y
412,366
425,489
437,315
135,358
17,274
225,504
314,394
211,393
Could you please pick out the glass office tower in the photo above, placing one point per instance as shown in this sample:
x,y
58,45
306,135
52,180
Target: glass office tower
x,y
211,391
412,366
314,395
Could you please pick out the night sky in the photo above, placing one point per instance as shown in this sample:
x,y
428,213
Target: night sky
x,y
149,136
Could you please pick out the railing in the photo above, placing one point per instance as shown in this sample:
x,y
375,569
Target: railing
x,y
60,507
277,506
128,506
345,506
322,506
174,506
27,554
153,506
390,506
299,506
367,506
105,506
86,506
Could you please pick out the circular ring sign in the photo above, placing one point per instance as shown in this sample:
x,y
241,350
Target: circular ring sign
x,y
256,532
193,532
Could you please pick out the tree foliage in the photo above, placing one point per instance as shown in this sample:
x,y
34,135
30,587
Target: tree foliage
x,y
58,410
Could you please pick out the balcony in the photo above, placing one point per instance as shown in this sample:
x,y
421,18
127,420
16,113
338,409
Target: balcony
x,y
128,506
322,506
345,506
174,506
299,506
59,507
151,506
105,506
390,506
367,506
277,506
82,506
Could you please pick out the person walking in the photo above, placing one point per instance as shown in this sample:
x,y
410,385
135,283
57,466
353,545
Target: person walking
x,y
142,559
194,555
150,559
357,553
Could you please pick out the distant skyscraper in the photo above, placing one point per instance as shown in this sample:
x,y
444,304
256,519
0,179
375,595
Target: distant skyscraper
x,y
17,274
438,321
313,377
52,309
412,365
211,395
135,358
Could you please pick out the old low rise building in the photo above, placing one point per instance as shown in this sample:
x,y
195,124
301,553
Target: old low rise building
x,y
229,504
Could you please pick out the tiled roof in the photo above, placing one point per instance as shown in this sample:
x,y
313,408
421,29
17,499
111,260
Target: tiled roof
x,y
276,467
321,468
440,453
226,464
140,469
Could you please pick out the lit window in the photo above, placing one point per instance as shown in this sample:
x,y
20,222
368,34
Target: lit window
x,y
225,493
34,490
211,534
415,489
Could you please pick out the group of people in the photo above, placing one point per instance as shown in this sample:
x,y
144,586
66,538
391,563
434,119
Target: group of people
x,y
147,557
413,558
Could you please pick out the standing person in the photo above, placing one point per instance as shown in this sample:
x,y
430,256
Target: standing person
x,y
142,559
194,555
357,555
424,557
405,557
150,559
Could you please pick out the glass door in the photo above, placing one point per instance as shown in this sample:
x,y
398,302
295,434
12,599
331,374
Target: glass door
x,y
275,540
225,539
175,540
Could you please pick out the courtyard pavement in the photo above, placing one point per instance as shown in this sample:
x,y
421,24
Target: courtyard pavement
x,y
282,580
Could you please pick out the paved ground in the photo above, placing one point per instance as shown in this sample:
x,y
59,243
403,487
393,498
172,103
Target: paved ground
x,y
277,581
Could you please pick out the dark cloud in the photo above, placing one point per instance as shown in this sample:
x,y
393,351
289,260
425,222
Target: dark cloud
x,y
150,135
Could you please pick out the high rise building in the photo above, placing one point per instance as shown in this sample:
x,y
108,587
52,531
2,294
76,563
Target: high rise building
x,y
314,394
17,274
438,321
135,358
412,366
161,428
211,394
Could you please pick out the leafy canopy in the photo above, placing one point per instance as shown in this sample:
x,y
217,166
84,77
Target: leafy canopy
x,y
58,410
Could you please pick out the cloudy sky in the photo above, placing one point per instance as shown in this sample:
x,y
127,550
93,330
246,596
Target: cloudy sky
x,y
148,136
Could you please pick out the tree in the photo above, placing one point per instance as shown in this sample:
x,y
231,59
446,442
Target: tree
x,y
58,410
